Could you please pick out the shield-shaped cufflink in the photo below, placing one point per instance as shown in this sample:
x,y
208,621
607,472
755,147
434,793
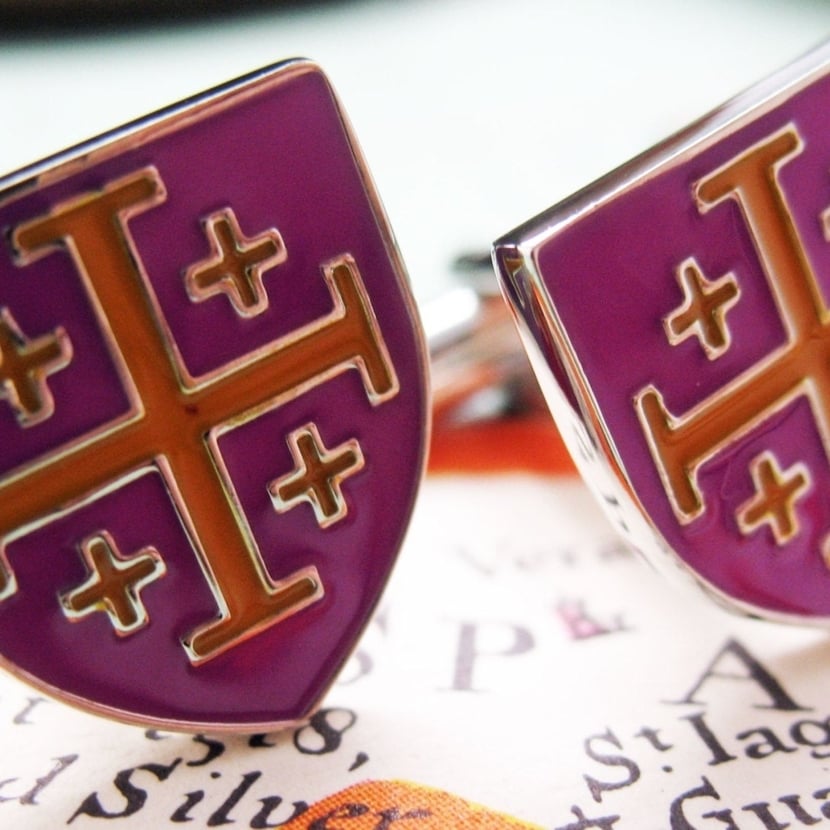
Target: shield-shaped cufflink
x,y
678,316
213,409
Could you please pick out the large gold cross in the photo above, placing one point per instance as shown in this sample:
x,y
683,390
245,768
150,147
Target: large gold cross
x,y
174,421
680,444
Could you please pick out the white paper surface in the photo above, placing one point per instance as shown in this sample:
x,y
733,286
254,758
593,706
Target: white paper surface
x,y
521,659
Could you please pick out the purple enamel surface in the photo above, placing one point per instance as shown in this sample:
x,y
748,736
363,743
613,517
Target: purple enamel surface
x,y
281,159
611,278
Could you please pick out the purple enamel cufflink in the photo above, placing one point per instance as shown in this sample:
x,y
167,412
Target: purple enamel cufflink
x,y
213,409
677,315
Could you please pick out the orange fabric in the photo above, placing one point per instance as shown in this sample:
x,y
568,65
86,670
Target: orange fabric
x,y
400,805
522,444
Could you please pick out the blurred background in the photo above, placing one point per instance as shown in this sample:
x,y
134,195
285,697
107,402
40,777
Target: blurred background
x,y
473,114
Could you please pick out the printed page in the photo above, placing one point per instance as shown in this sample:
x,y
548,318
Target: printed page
x,y
522,660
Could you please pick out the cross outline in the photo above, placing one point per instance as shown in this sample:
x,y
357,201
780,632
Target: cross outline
x,y
119,564
680,444
59,339
324,456
85,223
219,253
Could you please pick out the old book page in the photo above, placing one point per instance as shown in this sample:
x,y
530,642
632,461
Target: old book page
x,y
522,659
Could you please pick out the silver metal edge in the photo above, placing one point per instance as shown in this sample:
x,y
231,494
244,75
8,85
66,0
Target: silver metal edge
x,y
692,139
585,431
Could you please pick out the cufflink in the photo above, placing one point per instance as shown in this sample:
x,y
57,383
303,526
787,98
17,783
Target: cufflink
x,y
676,313
213,409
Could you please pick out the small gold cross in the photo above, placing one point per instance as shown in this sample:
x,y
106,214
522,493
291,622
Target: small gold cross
x,y
113,584
317,476
776,492
24,366
236,264
703,312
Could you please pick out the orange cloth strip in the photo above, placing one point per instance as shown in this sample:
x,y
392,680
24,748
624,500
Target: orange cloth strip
x,y
373,805
523,444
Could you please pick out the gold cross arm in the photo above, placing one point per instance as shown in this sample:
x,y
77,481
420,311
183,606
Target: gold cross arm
x,y
680,444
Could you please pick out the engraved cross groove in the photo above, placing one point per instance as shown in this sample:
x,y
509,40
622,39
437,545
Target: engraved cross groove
x,y
113,583
680,444
703,312
236,264
317,477
176,429
24,366
776,493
